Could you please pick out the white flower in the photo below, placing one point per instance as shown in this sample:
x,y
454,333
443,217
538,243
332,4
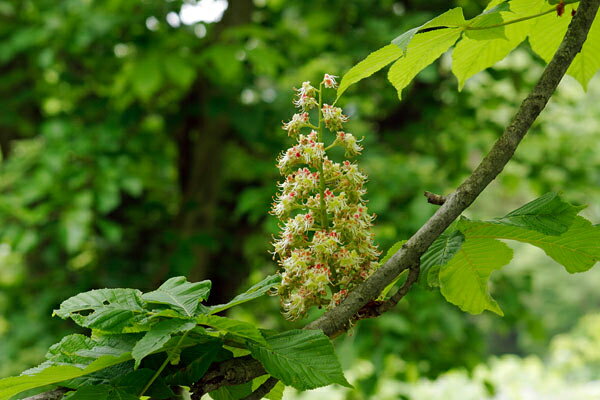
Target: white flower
x,y
329,81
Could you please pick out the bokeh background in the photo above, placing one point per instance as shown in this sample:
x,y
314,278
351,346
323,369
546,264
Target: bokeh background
x,y
138,141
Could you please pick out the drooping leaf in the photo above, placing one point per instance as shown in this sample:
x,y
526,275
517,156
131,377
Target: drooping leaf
x,y
304,359
439,253
471,56
254,292
464,279
157,336
547,34
181,294
577,249
367,67
549,214
238,328
424,48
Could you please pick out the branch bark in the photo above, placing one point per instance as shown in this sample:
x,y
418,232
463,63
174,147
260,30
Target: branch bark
x,y
339,319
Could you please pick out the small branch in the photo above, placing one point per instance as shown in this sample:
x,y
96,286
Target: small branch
x,y
433,198
263,389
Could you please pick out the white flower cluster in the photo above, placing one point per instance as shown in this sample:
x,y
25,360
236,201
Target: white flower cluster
x,y
325,247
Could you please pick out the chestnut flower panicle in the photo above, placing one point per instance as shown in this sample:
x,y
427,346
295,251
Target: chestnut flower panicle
x,y
325,247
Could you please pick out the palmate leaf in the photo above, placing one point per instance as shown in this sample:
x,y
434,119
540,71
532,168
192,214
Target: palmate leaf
x,y
184,296
158,336
578,249
549,30
471,56
425,47
464,280
399,47
113,310
304,359
254,292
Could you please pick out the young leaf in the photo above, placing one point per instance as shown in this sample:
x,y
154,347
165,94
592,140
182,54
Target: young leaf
x,y
367,67
181,294
157,336
254,292
238,328
549,214
113,309
426,47
471,56
464,280
304,359
549,30
439,254
577,249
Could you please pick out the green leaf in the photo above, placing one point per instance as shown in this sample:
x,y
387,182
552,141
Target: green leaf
x,y
54,374
232,392
204,355
157,336
587,62
238,328
254,292
471,56
577,249
426,47
464,280
547,34
181,294
135,381
439,253
96,392
113,309
480,27
367,67
304,359
549,214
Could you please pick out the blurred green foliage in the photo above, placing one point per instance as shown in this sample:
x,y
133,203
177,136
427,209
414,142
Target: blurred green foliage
x,y
135,147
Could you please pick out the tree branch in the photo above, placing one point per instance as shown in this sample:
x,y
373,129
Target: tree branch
x,y
338,320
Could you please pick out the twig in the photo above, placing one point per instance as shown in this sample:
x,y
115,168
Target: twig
x,y
433,198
